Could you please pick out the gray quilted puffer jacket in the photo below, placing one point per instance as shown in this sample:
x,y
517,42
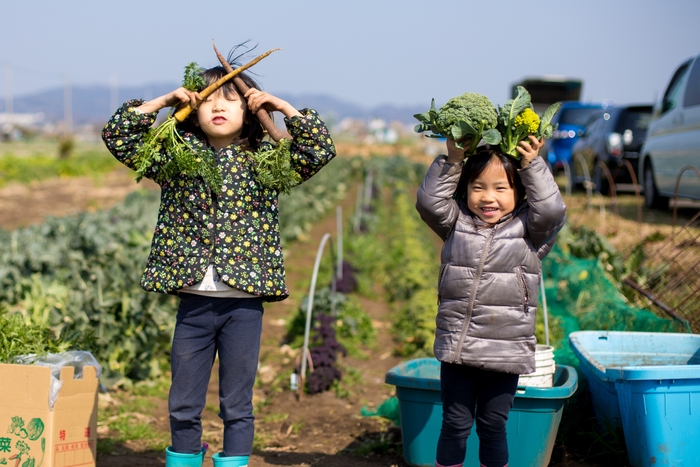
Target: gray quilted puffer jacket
x,y
489,274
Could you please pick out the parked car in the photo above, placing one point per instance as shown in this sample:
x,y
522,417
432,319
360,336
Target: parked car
x,y
571,118
613,137
673,139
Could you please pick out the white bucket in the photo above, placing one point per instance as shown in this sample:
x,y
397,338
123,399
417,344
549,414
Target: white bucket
x,y
545,367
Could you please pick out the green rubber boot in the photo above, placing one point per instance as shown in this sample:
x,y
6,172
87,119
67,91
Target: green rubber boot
x,y
176,459
231,461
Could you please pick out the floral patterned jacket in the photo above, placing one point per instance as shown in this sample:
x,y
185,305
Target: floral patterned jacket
x,y
236,230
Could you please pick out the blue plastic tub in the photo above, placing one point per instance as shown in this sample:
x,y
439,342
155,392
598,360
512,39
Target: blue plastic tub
x,y
532,425
648,383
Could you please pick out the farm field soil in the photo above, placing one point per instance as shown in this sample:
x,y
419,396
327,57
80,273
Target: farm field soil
x,y
318,430
22,205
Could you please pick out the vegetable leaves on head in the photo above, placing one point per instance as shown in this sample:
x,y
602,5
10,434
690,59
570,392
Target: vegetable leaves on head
x,y
466,119
517,120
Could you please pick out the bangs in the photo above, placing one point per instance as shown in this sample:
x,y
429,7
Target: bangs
x,y
212,75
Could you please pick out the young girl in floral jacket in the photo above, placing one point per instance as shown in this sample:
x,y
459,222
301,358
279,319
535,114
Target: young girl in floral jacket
x,y
220,253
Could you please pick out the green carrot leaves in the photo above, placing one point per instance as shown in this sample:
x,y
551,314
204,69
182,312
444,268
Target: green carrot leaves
x,y
273,167
193,79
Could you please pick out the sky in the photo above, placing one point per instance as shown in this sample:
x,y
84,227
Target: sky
x,y
368,52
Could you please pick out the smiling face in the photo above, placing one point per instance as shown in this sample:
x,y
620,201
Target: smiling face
x,y
221,117
490,195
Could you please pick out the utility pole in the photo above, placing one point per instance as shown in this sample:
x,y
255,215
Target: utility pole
x,y
114,93
68,106
8,91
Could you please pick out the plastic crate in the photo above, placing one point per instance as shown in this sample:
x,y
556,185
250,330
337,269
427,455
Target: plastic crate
x,y
532,424
649,383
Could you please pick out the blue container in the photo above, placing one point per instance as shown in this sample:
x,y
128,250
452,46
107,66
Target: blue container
x,y
648,383
532,424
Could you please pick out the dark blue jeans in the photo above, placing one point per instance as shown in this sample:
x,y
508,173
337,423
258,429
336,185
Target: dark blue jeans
x,y
205,326
470,394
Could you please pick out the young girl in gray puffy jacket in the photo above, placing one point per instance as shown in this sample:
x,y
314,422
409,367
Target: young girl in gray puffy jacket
x,y
498,217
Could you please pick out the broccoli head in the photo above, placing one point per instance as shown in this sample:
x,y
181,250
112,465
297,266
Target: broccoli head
x,y
466,118
527,122
517,120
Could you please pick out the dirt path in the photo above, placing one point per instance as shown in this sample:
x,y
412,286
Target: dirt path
x,y
22,205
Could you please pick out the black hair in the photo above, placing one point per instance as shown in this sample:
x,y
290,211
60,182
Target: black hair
x,y
252,131
475,164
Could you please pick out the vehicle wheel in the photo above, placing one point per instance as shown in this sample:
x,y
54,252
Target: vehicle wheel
x,y
652,198
600,180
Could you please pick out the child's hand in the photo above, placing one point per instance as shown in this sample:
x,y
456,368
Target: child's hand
x,y
179,97
182,97
528,151
455,154
258,99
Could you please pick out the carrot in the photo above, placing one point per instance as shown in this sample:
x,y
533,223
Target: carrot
x,y
273,166
183,113
185,159
264,118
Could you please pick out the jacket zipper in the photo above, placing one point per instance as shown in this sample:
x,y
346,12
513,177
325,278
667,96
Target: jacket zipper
x,y
524,290
477,279
215,207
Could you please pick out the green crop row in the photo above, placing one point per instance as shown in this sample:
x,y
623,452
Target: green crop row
x,y
399,252
87,161
80,274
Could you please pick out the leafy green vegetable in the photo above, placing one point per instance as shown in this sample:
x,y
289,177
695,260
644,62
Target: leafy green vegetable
x,y
546,128
17,337
274,167
193,79
466,119
186,159
517,120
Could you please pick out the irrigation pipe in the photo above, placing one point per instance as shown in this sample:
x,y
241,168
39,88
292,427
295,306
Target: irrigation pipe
x,y
307,329
358,208
567,176
339,228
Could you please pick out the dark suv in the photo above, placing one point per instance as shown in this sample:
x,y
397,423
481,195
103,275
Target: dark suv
x,y
570,119
612,137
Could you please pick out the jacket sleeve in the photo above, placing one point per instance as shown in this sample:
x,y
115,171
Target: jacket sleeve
x,y
124,133
434,200
547,212
312,146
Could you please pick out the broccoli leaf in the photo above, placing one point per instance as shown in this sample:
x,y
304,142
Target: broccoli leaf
x,y
546,127
491,136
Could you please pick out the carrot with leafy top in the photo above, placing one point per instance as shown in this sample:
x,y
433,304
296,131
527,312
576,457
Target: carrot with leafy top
x,y
185,159
264,118
273,167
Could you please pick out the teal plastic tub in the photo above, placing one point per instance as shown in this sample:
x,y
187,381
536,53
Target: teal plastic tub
x,y
649,384
532,424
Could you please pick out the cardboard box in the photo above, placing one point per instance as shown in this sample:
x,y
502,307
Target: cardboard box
x,y
34,435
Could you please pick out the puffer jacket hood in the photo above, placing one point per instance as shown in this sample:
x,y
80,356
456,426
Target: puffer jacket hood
x,y
489,274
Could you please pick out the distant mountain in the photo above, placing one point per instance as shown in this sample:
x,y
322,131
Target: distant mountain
x,y
95,104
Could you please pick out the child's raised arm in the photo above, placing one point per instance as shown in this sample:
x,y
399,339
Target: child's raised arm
x,y
258,99
179,97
